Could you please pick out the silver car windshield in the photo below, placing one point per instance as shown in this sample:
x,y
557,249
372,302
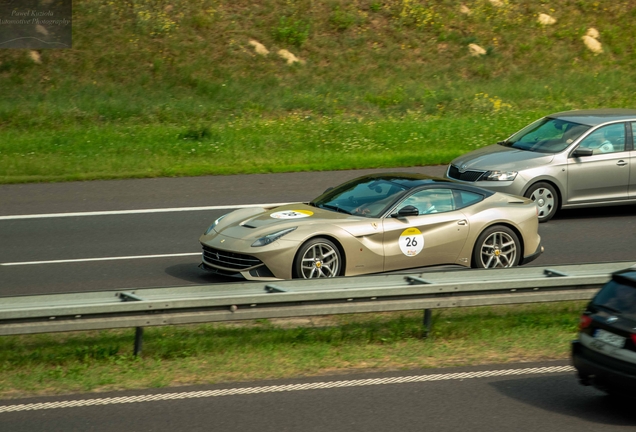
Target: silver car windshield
x,y
547,135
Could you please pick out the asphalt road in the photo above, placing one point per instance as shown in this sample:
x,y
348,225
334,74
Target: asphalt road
x,y
104,250
89,236
495,398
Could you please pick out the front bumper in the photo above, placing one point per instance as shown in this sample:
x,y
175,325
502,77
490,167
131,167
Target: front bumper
x,y
262,272
602,371
226,255
512,187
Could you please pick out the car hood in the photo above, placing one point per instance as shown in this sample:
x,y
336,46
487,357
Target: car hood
x,y
498,157
255,223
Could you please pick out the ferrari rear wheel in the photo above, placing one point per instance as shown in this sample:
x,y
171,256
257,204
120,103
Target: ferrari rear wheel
x,y
317,258
496,247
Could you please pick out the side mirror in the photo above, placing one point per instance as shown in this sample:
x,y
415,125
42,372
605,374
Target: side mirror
x,y
407,211
579,152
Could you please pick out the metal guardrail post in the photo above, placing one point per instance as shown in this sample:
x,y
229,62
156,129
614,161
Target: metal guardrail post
x,y
427,322
139,331
139,338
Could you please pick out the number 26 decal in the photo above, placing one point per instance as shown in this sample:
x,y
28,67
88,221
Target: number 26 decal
x,y
411,242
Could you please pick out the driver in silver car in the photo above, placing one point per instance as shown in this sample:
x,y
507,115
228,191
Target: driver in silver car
x,y
597,142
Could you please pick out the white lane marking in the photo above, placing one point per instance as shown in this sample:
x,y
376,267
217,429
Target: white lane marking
x,y
99,259
125,212
282,388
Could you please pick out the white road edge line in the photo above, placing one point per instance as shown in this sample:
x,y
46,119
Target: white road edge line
x,y
125,212
99,259
282,388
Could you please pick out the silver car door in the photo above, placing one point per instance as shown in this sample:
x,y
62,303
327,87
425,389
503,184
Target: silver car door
x,y
436,236
603,176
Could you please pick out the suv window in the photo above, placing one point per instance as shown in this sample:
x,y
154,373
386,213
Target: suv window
x,y
617,297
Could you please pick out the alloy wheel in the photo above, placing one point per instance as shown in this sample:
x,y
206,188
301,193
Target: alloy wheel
x,y
320,260
499,249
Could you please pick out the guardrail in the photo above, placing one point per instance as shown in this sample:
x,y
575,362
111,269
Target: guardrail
x,y
257,300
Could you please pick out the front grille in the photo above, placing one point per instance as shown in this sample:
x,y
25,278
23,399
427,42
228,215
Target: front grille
x,y
469,176
229,260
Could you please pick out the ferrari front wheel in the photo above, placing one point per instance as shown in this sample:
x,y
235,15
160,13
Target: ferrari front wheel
x,y
317,258
496,247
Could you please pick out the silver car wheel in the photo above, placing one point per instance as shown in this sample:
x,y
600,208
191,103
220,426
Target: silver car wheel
x,y
319,259
546,198
499,249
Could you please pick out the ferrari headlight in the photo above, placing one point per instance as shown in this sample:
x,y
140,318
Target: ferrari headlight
x,y
499,176
270,238
214,224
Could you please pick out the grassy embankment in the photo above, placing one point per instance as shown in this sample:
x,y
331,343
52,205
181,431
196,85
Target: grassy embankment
x,y
175,88
172,88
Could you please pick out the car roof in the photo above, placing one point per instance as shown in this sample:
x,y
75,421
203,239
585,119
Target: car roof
x,y
416,180
595,117
627,276
408,180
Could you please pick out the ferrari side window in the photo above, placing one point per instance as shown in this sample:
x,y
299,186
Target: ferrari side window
x,y
465,198
431,201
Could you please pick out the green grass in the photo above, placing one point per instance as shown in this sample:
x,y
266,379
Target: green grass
x,y
174,88
243,146
264,349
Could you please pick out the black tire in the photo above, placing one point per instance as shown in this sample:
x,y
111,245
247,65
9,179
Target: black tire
x,y
547,199
497,246
317,258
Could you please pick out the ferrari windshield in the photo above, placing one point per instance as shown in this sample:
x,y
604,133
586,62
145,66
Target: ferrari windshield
x,y
367,197
547,135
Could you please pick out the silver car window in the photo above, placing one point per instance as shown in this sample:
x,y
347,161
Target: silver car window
x,y
607,139
547,135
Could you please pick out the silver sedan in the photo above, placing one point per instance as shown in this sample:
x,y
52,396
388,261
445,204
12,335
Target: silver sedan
x,y
582,158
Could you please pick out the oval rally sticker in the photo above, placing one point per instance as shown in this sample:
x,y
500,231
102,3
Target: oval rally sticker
x,y
411,242
292,214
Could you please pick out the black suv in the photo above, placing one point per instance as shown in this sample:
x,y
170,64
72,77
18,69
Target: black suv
x,y
605,353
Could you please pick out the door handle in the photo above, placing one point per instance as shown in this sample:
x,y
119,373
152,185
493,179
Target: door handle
x,y
461,222
621,163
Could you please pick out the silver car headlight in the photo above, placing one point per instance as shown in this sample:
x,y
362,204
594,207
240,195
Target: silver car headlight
x,y
499,176
214,224
270,238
